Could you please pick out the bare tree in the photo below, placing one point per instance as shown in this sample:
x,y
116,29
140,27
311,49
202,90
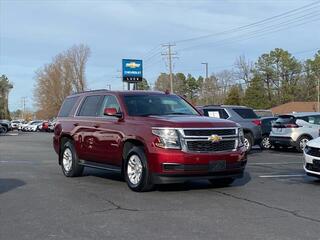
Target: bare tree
x,y
55,81
77,57
244,69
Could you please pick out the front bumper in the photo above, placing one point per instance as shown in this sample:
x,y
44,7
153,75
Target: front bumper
x,y
309,166
173,166
183,177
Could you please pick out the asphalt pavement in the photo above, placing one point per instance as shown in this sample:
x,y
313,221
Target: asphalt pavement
x,y
274,200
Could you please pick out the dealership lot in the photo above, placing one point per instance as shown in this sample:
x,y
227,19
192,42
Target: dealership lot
x,y
275,200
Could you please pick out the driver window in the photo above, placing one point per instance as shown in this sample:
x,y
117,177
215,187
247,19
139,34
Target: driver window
x,y
109,101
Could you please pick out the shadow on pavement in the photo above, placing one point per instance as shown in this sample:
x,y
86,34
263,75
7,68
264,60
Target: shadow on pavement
x,y
8,184
201,184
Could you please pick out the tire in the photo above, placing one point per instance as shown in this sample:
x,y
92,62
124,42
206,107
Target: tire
x,y
248,141
70,161
136,171
301,143
223,182
5,129
265,143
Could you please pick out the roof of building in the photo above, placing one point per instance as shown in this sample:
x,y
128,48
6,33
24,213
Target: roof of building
x,y
294,107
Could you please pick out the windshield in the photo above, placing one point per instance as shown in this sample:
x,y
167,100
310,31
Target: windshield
x,y
157,104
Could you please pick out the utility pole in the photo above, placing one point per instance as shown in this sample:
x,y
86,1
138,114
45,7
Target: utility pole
x,y
24,99
318,88
207,74
169,54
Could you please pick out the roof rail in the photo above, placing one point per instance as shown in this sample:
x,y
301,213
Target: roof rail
x,y
88,91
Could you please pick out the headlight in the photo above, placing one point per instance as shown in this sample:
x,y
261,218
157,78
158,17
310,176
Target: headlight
x,y
241,137
168,138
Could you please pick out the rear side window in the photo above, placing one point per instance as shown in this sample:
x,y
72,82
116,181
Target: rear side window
x,y
217,113
245,113
67,106
90,106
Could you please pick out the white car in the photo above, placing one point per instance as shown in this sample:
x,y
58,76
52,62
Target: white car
x,y
312,158
31,126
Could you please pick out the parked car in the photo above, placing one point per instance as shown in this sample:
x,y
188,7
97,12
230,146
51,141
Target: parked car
x,y
6,125
312,158
295,130
266,126
32,126
149,137
15,124
245,116
263,113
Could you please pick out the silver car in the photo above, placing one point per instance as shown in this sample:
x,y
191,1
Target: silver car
x,y
295,130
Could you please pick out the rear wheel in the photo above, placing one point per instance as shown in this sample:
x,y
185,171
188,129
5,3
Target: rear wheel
x,y
265,143
4,129
248,141
136,171
69,161
223,182
302,142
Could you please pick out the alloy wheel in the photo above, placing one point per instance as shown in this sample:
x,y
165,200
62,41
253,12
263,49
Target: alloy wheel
x,y
134,169
266,142
67,159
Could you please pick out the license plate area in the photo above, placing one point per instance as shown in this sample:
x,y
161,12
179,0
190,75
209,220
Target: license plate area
x,y
216,166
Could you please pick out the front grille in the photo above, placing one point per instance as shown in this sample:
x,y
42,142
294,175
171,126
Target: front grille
x,y
207,146
209,132
315,152
312,167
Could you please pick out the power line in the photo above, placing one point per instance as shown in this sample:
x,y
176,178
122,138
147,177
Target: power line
x,y
263,21
257,33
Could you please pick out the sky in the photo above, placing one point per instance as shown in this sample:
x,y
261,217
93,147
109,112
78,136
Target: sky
x,y
32,33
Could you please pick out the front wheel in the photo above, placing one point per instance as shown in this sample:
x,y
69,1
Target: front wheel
x,y
248,141
302,142
136,171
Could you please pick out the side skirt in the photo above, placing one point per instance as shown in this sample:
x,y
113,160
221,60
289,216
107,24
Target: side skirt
x,y
100,166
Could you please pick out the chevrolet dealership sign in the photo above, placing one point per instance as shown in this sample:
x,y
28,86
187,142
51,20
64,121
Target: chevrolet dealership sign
x,y
131,70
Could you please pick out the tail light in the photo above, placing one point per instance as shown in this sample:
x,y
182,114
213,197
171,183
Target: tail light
x,y
291,125
257,122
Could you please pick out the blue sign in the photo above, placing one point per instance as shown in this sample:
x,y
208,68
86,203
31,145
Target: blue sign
x,y
131,70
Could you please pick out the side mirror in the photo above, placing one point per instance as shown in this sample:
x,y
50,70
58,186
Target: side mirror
x,y
112,112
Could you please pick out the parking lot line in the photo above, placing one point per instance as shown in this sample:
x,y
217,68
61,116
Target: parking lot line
x,y
285,163
282,176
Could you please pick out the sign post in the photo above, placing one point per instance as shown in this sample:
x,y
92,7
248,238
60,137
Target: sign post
x,y
132,71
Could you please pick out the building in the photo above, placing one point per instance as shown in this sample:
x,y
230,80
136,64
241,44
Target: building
x,y
295,107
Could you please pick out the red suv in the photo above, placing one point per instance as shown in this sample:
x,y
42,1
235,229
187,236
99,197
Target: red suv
x,y
148,137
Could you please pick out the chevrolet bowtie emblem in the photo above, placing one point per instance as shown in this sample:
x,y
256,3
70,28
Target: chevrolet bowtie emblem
x,y
215,138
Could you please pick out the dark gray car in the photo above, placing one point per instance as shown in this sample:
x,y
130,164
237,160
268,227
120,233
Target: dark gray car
x,y
245,116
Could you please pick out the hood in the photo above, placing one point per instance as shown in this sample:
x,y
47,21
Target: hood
x,y
187,121
314,143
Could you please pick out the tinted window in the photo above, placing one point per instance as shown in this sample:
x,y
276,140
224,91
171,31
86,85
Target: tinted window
x,y
286,119
157,104
109,102
90,106
67,106
245,113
